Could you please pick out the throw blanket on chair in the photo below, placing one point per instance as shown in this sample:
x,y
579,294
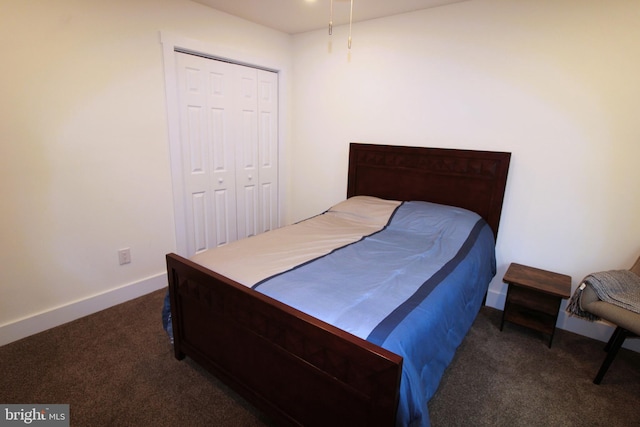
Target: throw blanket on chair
x,y
618,287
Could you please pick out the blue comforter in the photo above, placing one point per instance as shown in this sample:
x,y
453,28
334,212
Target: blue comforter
x,y
414,288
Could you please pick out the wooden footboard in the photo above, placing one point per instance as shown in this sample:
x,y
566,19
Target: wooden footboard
x,y
297,369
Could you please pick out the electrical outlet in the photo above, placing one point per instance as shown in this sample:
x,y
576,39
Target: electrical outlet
x,y
124,255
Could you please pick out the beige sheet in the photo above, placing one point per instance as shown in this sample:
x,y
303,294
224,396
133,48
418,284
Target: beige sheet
x,y
248,261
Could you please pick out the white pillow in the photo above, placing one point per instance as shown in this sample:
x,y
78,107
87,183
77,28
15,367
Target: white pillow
x,y
366,209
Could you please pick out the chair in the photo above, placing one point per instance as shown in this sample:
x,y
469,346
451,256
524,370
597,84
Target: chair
x,y
627,322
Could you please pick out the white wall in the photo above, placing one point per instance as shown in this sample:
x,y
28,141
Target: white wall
x,y
555,82
84,160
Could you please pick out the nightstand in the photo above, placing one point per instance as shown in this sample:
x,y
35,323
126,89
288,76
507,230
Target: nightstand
x,y
534,297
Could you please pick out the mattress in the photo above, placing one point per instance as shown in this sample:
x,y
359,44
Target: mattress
x,y
408,276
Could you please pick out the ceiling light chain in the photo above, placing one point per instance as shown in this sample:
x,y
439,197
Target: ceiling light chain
x,y
350,21
331,18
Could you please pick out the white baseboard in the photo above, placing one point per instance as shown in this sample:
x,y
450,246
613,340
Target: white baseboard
x,y
597,330
40,322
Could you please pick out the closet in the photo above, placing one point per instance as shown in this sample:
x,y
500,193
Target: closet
x,y
229,150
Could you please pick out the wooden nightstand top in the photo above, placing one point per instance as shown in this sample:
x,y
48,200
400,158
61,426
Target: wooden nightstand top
x,y
544,281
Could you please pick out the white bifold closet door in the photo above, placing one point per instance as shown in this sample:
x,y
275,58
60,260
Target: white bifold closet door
x,y
229,145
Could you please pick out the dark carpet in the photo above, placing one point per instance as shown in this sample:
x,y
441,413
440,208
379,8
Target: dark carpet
x,y
116,368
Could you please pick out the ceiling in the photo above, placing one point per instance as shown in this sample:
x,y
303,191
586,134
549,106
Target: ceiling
x,y
298,16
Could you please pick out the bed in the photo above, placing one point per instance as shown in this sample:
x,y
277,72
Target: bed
x,y
353,369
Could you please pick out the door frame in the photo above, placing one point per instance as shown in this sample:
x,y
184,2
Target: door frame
x,y
171,43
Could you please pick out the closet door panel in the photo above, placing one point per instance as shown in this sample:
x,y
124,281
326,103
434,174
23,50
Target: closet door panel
x,y
224,222
268,148
193,130
249,222
199,210
220,101
207,147
247,172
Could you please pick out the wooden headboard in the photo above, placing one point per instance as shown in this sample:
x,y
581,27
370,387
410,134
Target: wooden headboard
x,y
469,179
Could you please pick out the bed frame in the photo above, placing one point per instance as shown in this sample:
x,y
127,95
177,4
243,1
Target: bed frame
x,y
298,369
